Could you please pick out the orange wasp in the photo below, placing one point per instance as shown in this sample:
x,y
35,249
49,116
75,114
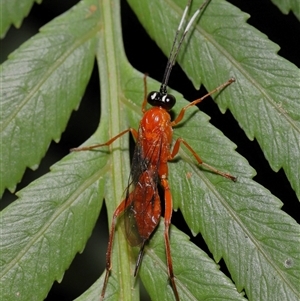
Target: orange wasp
x,y
141,206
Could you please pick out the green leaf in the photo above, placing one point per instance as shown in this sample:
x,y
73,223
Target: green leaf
x,y
265,97
198,276
52,220
286,5
241,222
40,86
49,227
13,12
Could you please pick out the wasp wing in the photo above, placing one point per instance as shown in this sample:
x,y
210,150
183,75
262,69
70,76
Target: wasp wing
x,y
143,209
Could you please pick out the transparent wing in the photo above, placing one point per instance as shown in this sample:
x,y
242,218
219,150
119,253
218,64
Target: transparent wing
x,y
142,215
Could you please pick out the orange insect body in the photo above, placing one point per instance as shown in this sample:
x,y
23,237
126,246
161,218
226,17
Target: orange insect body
x,y
149,165
141,206
156,132
152,153
143,213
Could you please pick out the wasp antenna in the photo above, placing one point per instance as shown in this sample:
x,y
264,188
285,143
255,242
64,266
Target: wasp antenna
x,y
163,88
197,12
175,49
183,15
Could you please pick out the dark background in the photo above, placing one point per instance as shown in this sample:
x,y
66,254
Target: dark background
x,y
145,56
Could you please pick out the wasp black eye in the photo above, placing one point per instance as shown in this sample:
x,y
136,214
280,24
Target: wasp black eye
x,y
158,99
